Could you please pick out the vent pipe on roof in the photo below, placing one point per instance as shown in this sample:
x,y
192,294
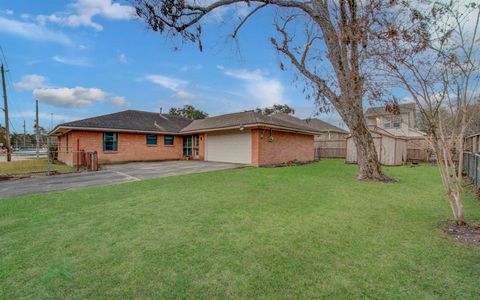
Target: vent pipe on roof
x,y
161,109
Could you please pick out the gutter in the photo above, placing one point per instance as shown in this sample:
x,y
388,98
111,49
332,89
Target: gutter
x,y
70,128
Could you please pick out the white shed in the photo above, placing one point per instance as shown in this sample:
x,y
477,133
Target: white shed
x,y
391,150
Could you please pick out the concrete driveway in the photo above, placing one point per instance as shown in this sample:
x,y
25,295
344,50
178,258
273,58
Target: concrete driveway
x,y
110,174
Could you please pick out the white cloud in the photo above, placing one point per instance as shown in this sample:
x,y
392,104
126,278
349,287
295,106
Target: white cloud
x,y
118,101
179,86
79,61
32,31
170,83
263,90
185,95
76,97
122,58
30,82
186,68
7,12
70,97
85,10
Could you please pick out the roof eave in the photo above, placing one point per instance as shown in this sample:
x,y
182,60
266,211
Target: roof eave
x,y
253,125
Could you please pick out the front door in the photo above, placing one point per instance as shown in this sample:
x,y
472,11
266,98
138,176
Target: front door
x,y
191,146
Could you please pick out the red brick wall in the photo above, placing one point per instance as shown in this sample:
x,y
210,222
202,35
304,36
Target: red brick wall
x,y
285,147
131,147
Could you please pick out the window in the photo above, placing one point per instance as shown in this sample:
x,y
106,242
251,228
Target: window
x,y
110,141
151,139
397,121
168,140
387,123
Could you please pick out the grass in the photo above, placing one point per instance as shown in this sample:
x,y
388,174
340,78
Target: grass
x,y
31,166
311,231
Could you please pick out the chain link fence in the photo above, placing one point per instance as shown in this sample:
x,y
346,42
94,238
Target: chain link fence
x,y
471,165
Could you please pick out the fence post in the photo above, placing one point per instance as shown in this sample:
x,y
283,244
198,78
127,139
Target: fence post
x,y
476,157
48,156
78,155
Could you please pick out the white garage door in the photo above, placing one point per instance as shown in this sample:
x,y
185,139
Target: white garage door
x,y
234,147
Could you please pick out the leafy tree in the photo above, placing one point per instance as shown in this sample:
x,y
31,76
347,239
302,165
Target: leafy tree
x,y
325,41
189,112
276,109
438,66
2,136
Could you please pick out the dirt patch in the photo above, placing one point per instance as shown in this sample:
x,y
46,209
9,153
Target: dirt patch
x,y
468,235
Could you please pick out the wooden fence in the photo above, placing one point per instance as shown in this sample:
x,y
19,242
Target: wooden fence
x,y
330,148
418,149
471,165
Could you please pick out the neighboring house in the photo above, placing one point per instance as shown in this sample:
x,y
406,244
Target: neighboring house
x,y
244,137
403,124
331,142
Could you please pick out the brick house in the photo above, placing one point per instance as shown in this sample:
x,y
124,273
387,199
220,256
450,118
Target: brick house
x,y
245,137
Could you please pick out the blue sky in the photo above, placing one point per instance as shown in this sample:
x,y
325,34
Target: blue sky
x,y
83,58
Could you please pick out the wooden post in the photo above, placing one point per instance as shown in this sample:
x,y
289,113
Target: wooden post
x,y
48,156
37,131
7,121
475,143
78,154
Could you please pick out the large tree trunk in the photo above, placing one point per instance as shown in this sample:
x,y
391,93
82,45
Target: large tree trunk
x,y
367,158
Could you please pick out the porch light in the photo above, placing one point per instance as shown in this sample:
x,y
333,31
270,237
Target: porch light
x,y
242,127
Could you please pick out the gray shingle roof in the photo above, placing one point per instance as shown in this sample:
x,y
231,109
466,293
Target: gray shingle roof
x,y
133,120
314,123
380,110
324,126
247,118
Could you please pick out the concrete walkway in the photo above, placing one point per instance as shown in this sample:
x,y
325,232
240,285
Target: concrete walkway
x,y
110,174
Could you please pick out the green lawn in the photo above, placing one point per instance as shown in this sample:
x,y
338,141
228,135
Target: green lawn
x,y
307,232
31,166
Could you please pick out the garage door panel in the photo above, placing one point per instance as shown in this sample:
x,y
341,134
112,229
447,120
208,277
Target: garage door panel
x,y
234,147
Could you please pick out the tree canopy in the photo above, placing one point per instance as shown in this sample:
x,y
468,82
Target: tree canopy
x,y
275,109
189,112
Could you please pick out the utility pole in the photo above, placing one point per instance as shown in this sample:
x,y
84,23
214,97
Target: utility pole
x,y
37,130
24,135
5,108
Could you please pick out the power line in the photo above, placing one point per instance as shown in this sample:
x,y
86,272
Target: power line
x,y
12,104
